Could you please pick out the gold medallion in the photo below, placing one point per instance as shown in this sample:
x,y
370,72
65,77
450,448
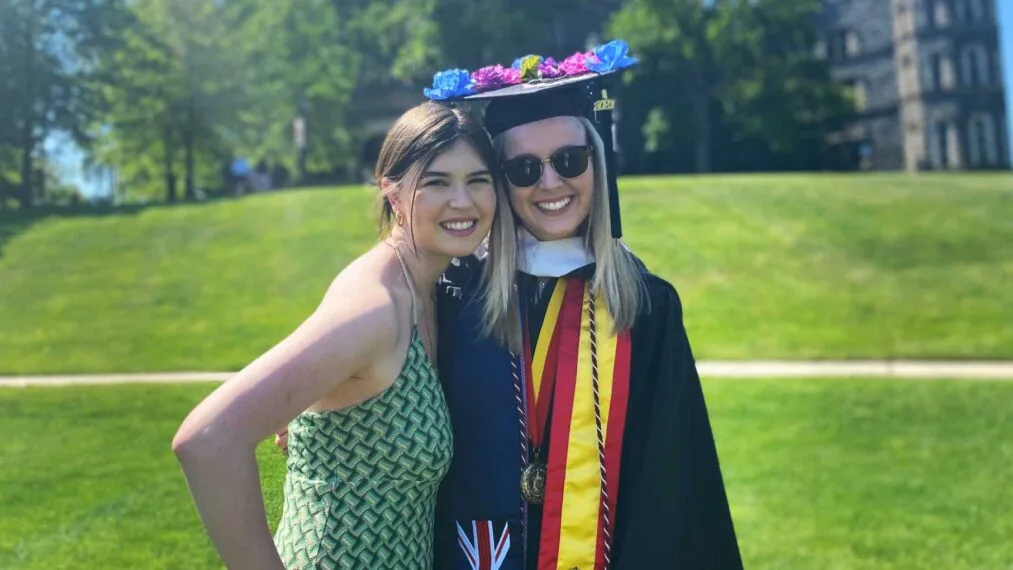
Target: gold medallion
x,y
533,482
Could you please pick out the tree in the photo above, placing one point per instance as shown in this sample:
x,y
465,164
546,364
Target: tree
x,y
774,87
164,83
740,72
47,48
678,76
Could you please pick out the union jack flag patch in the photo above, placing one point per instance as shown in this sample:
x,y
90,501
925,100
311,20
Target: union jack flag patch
x,y
482,548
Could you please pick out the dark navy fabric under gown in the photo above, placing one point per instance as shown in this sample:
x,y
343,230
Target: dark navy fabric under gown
x,y
672,510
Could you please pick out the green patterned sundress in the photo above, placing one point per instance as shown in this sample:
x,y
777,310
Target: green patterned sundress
x,y
361,482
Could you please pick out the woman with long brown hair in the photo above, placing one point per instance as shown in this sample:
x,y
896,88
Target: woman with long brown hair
x,y
369,433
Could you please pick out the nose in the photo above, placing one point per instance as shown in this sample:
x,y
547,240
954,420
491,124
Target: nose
x,y
460,198
550,179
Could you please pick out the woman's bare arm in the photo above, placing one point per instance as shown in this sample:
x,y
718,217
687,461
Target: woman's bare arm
x,y
217,441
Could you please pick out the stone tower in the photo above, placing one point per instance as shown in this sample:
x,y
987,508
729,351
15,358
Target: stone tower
x,y
927,79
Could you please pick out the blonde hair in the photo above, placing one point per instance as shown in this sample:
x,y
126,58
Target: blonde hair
x,y
617,277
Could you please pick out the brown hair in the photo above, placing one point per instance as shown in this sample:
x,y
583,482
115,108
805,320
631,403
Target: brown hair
x,y
418,136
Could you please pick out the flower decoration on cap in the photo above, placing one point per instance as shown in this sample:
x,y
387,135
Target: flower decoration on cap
x,y
529,67
449,84
495,76
610,57
575,64
520,60
456,83
549,69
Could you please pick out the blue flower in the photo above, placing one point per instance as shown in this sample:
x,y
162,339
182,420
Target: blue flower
x,y
610,57
449,84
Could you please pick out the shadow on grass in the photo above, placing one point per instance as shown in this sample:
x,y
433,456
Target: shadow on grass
x,y
16,222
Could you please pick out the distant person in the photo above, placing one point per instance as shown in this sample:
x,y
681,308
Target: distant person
x,y
260,178
241,171
370,437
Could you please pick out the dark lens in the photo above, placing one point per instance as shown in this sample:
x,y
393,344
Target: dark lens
x,y
523,170
571,162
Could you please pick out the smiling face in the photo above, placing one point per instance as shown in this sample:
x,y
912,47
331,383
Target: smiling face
x,y
554,207
451,207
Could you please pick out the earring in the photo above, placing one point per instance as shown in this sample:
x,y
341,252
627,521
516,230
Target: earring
x,y
399,217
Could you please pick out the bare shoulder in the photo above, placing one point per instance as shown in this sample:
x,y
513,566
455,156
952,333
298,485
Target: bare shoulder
x,y
355,326
361,300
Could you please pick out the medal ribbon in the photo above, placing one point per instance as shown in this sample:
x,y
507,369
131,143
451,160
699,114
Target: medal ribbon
x,y
541,365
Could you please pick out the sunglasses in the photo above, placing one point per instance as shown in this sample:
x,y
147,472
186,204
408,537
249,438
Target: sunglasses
x,y
569,162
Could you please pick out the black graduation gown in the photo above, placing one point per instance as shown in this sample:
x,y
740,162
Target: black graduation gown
x,y
672,510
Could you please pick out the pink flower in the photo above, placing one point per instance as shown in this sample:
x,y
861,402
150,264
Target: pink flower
x,y
511,76
494,77
575,64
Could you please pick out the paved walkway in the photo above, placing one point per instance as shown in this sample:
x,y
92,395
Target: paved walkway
x,y
911,369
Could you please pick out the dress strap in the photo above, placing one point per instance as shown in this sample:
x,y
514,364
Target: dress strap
x,y
411,286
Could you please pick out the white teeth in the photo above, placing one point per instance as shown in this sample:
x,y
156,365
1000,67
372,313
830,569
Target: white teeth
x,y
554,206
459,226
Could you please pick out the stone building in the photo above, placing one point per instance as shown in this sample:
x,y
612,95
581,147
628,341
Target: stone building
x,y
927,79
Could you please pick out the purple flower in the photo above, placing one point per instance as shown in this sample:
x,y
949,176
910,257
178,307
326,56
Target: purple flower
x,y
550,69
610,57
490,77
449,84
575,64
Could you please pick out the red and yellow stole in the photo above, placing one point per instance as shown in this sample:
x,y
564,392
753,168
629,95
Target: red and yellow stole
x,y
573,519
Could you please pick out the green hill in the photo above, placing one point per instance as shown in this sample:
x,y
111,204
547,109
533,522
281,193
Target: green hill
x,y
787,266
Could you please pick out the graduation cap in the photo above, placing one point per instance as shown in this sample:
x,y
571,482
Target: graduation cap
x,y
536,88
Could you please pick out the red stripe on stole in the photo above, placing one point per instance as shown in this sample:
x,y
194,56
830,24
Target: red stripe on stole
x,y
562,410
614,437
483,529
549,382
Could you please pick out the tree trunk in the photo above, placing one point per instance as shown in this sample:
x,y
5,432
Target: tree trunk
x,y
28,117
190,188
170,176
27,164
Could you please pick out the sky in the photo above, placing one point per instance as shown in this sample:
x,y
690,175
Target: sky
x,y
69,159
1006,48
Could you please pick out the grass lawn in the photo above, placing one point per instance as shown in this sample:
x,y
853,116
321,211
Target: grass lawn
x,y
822,474
793,266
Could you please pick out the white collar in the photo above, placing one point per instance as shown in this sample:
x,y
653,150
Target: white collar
x,y
554,258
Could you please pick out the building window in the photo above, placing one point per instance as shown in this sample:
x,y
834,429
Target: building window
x,y
981,141
974,66
935,74
854,47
960,10
977,10
938,72
939,148
838,45
940,14
820,50
843,44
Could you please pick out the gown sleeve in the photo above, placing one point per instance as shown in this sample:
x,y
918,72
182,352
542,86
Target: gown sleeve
x,y
672,510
